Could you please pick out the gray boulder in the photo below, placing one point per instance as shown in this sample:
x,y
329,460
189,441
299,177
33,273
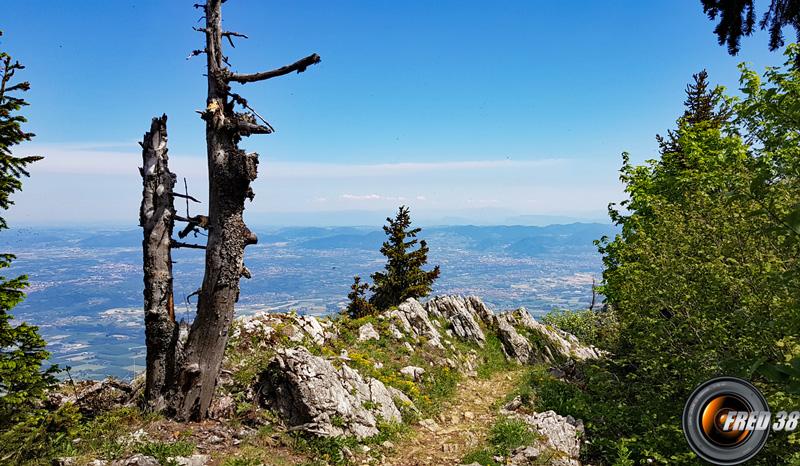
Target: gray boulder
x,y
367,332
559,438
414,320
515,346
460,313
310,394
194,460
559,342
137,460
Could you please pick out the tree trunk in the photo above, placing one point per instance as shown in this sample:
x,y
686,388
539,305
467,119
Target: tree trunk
x,y
230,172
156,217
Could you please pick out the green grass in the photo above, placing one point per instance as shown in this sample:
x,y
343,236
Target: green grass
x,y
506,435
493,358
242,462
163,450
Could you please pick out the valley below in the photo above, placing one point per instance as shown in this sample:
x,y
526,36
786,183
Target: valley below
x,y
85,289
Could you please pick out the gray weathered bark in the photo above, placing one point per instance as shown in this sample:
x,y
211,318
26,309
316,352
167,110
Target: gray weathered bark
x,y
156,217
230,172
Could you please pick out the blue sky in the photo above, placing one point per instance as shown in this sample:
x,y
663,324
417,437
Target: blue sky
x,y
465,110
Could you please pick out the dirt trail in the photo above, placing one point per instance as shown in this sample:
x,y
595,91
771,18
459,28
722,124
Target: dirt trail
x,y
461,427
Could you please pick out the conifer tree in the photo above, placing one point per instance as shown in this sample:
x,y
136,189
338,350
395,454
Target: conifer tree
x,y
403,277
703,106
737,19
359,306
23,381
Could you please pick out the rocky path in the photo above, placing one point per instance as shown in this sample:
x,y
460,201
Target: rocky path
x,y
461,427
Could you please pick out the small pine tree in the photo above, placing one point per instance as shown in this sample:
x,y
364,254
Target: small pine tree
x,y
403,277
359,306
23,382
702,106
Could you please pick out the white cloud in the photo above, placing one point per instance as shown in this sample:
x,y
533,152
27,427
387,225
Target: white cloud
x,y
101,159
372,197
76,183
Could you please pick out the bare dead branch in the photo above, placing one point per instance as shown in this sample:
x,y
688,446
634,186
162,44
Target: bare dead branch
x,y
186,196
193,223
298,66
241,101
195,53
229,34
178,244
246,128
194,293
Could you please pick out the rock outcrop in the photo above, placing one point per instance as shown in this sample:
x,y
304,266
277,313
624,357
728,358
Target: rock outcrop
x,y
560,343
94,397
515,346
463,315
559,440
413,320
367,332
312,395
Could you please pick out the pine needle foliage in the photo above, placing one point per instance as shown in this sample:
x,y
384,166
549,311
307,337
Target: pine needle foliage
x,y
23,381
359,306
403,276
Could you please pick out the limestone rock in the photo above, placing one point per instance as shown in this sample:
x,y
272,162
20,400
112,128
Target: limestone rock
x,y
564,344
395,332
414,320
94,397
559,438
515,346
267,327
460,313
367,332
310,394
480,309
311,326
136,460
194,460
412,372
222,407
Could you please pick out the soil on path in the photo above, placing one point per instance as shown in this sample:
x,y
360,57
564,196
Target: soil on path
x,y
461,427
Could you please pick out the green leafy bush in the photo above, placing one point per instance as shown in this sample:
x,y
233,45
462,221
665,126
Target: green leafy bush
x,y
598,328
703,277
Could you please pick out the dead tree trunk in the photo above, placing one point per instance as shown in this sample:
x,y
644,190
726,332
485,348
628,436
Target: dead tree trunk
x,y
230,172
156,217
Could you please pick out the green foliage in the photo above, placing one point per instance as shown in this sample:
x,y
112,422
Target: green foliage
x,y
242,462
738,19
505,435
493,359
359,306
598,328
39,436
23,382
163,451
703,278
404,277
